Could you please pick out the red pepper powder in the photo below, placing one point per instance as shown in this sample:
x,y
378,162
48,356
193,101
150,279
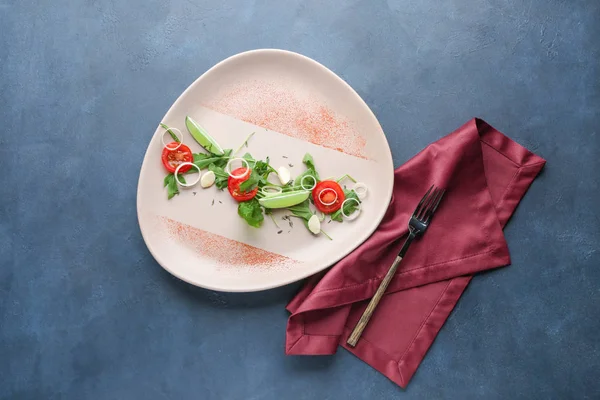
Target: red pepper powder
x,y
284,110
224,251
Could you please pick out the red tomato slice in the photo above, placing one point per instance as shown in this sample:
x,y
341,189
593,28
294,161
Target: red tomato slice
x,y
233,185
172,158
324,196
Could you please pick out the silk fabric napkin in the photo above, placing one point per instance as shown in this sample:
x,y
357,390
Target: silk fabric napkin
x,y
485,174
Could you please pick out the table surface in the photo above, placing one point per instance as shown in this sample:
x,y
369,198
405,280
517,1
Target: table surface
x,y
86,312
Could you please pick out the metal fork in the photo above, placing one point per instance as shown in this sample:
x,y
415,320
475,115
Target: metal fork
x,y
418,224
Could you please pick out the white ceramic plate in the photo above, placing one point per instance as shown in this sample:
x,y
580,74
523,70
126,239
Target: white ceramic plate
x,y
296,106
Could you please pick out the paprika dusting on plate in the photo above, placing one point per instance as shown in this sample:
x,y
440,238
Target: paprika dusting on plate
x,y
224,251
282,109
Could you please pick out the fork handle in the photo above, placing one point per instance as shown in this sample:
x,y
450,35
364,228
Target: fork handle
x,y
364,319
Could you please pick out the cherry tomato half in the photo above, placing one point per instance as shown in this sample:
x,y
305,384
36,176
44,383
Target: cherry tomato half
x,y
172,158
233,185
324,196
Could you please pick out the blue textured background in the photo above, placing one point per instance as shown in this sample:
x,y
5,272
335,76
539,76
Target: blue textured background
x,y
85,311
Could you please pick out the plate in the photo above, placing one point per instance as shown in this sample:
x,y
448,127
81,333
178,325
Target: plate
x,y
295,106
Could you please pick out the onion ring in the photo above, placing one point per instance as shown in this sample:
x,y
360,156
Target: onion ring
x,y
361,190
327,190
311,177
180,137
176,173
244,163
355,214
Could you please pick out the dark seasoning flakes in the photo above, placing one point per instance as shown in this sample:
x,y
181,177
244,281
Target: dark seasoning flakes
x,y
288,219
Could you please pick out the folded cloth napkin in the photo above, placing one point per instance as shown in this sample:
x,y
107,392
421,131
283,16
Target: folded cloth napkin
x,y
485,175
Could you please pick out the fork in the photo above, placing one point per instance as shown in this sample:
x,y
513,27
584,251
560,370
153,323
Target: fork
x,y
417,225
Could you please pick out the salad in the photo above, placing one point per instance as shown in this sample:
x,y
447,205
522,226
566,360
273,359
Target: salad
x,y
250,182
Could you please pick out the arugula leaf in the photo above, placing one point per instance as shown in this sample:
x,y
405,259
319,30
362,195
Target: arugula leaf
x,y
349,207
245,143
167,179
221,177
250,183
302,210
248,157
203,160
258,176
252,212
310,171
307,182
173,135
309,161
171,185
263,168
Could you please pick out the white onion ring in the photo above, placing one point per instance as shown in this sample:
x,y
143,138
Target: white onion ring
x,y
361,193
180,137
244,162
327,190
355,214
311,177
188,184
267,190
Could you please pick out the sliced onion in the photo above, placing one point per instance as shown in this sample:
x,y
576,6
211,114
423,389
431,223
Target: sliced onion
x,y
311,177
187,184
324,191
271,190
244,163
179,136
361,190
355,214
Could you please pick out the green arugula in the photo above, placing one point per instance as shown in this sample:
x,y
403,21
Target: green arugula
x,y
171,184
349,207
309,161
252,212
252,182
248,157
302,210
311,170
221,176
258,176
244,144
173,135
203,160
263,168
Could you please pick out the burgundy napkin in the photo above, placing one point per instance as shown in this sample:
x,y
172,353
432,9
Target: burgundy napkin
x,y
486,174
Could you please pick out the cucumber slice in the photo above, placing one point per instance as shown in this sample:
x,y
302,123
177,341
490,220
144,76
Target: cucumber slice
x,y
284,200
203,137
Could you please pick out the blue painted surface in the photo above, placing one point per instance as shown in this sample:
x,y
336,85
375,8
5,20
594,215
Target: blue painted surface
x,y
86,313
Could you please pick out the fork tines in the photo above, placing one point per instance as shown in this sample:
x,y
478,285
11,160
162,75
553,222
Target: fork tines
x,y
428,204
